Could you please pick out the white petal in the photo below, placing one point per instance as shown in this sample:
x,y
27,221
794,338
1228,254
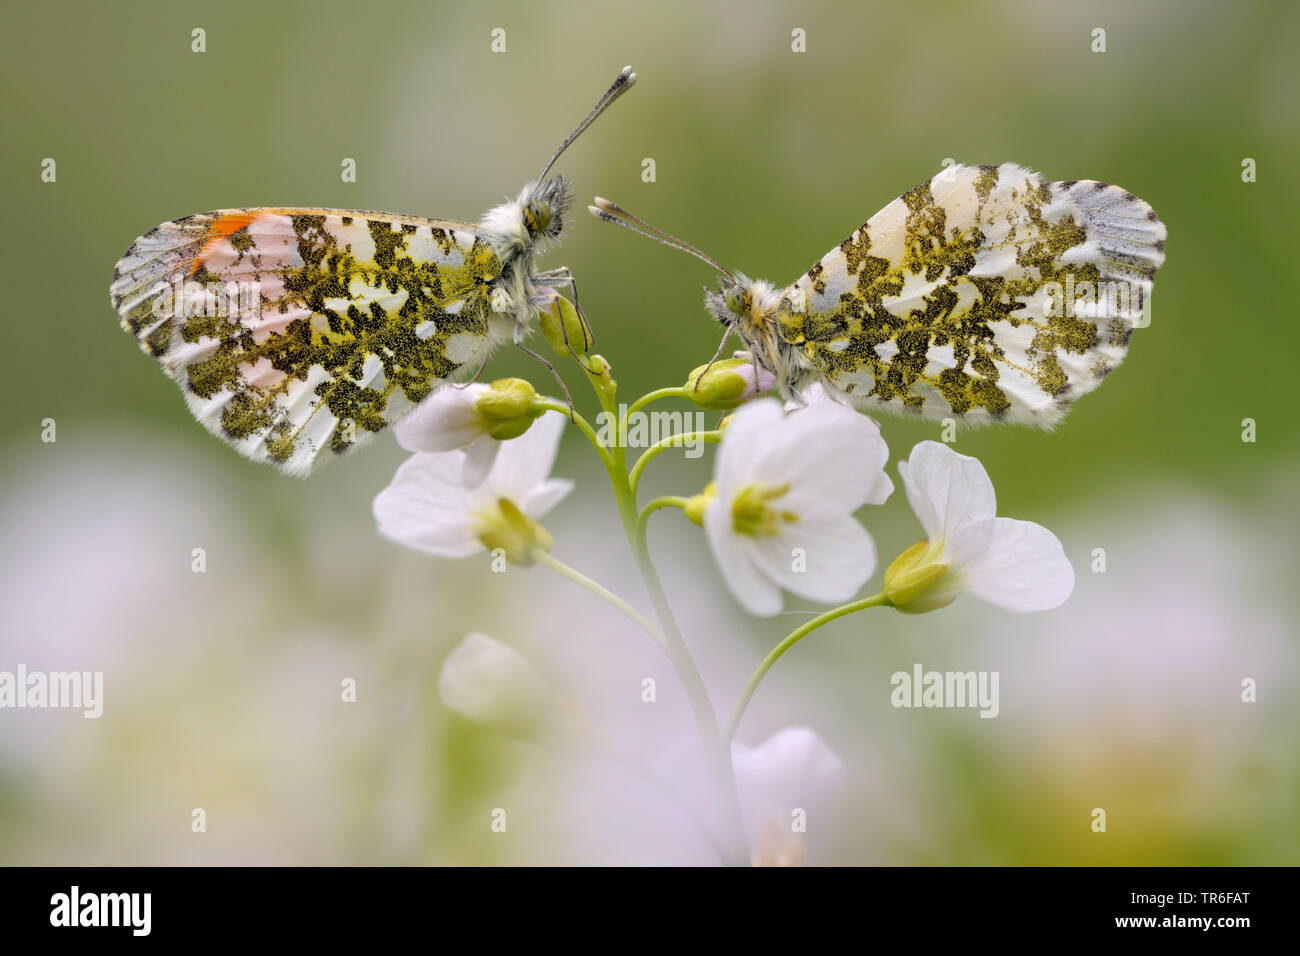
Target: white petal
x,y
751,589
832,457
945,489
968,543
744,443
838,558
1024,569
880,489
425,506
480,456
445,420
546,496
492,684
525,462
791,770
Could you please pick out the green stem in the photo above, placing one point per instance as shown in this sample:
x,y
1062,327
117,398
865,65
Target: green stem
x,y
610,598
790,640
658,394
717,750
667,501
672,441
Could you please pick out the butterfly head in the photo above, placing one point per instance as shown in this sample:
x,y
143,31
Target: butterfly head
x,y
741,302
535,215
542,208
748,307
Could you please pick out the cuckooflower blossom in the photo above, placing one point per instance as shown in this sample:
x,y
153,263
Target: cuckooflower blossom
x,y
1016,565
496,686
475,417
430,507
779,513
788,784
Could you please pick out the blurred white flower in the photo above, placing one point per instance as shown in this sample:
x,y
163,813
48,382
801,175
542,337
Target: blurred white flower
x,y
496,686
785,489
475,417
1015,565
788,783
430,507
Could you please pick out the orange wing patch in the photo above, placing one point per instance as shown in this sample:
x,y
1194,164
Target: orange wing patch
x,y
226,226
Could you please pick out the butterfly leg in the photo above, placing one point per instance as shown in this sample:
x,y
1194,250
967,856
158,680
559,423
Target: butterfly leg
x,y
567,397
477,375
564,276
721,345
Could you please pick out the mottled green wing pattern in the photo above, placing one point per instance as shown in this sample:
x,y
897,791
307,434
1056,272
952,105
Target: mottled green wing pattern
x,y
984,293
293,331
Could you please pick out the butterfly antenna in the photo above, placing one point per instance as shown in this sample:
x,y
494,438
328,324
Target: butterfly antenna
x,y
622,83
607,211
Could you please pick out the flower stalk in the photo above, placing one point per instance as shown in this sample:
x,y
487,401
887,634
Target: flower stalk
x,y
789,641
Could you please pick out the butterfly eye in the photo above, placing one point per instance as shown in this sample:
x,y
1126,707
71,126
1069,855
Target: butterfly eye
x,y
539,215
735,300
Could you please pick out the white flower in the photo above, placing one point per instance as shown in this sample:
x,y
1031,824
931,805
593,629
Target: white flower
x,y
788,786
475,417
430,507
496,686
1016,565
784,493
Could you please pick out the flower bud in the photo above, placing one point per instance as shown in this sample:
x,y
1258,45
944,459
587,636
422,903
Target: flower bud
x,y
508,398
600,370
696,505
728,383
496,686
508,528
562,320
911,579
508,407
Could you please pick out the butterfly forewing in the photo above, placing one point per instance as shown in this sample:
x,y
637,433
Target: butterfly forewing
x,y
983,293
293,331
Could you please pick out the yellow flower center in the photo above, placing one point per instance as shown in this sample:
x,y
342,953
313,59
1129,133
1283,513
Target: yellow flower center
x,y
752,513
502,525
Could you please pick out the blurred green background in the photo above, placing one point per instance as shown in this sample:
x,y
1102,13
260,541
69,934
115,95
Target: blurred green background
x,y
222,689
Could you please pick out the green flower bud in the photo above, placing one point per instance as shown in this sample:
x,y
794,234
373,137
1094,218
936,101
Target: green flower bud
x,y
727,383
508,408
697,504
911,578
562,319
600,370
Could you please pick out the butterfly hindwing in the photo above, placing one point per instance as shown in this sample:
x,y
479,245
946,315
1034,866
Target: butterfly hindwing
x,y
984,293
291,331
